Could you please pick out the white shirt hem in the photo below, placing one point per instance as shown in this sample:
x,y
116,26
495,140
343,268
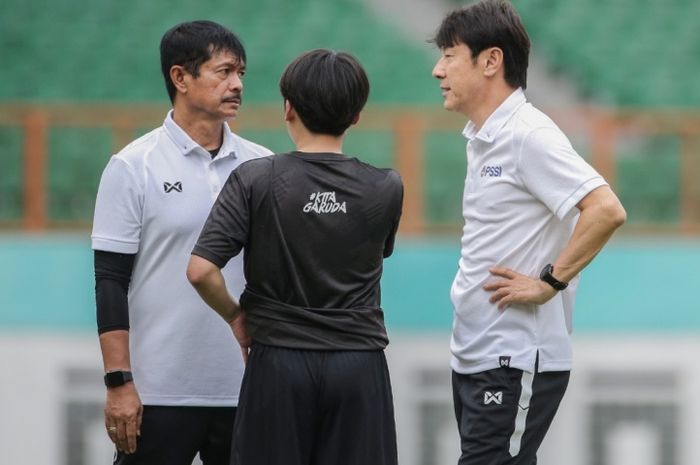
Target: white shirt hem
x,y
491,364
555,365
521,364
189,401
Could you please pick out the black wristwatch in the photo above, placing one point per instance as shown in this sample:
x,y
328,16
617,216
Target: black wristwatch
x,y
117,378
546,276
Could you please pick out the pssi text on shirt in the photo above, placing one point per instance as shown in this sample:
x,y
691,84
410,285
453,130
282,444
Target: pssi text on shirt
x,y
491,171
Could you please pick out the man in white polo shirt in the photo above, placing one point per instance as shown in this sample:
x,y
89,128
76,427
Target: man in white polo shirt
x,y
535,215
172,371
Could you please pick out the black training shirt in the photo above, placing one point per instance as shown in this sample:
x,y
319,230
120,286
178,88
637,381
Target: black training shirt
x,y
315,228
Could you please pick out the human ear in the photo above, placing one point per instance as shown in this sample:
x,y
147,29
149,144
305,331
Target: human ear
x,y
492,61
289,113
177,76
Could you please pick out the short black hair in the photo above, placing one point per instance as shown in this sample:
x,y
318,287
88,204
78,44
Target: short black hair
x,y
490,23
327,89
192,43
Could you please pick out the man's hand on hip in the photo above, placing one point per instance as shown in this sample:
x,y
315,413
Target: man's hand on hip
x,y
516,288
241,333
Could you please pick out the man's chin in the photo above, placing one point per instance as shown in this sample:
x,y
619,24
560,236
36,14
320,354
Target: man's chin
x,y
230,113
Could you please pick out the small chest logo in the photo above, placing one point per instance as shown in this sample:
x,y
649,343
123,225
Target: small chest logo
x,y
324,202
491,171
493,397
170,187
504,361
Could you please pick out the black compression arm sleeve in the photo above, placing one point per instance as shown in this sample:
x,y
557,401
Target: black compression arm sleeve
x,y
112,278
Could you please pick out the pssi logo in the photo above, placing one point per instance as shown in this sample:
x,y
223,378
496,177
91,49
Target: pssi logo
x,y
491,171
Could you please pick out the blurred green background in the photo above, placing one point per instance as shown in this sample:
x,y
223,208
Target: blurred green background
x,y
619,77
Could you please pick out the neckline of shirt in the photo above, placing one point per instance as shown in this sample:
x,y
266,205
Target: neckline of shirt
x,y
495,122
320,155
187,146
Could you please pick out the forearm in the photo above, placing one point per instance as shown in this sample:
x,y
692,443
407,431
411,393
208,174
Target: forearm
x,y
601,214
115,350
209,283
215,294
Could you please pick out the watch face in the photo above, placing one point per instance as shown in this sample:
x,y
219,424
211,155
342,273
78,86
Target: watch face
x,y
546,272
546,276
117,378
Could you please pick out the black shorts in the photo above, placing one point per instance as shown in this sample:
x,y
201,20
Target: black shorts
x,y
174,436
307,407
504,414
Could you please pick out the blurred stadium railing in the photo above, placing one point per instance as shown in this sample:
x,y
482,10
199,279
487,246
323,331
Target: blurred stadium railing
x,y
53,155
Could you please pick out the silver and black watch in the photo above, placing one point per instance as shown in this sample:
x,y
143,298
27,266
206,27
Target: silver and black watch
x,y
546,276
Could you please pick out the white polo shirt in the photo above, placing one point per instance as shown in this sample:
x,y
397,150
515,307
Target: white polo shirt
x,y
523,182
153,200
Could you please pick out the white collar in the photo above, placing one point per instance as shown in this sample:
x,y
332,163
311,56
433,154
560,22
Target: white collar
x,y
186,145
498,118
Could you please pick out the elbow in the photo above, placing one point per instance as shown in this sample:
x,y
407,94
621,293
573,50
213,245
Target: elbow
x,y
603,208
615,213
195,278
197,274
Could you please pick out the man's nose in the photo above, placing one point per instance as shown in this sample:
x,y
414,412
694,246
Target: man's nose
x,y
438,70
235,82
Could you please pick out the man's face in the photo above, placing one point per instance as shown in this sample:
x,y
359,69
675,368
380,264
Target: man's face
x,y
460,78
218,89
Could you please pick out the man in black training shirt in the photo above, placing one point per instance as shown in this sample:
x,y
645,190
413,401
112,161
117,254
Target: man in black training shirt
x,y
315,226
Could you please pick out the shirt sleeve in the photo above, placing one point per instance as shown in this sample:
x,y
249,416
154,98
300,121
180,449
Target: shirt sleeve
x,y
225,232
554,173
118,209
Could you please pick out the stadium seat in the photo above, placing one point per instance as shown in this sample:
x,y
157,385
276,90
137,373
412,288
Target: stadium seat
x,y
616,52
